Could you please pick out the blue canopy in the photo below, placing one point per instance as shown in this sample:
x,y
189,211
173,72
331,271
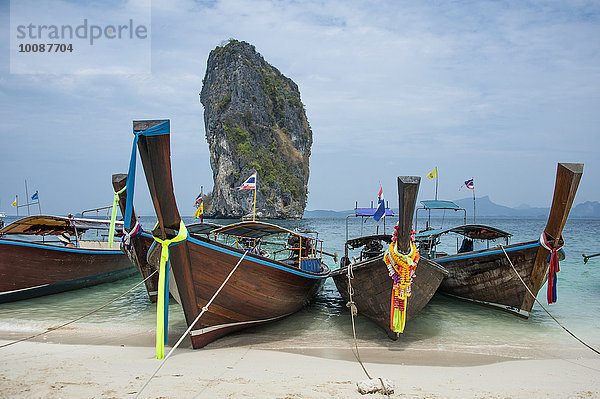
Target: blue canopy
x,y
473,231
371,212
440,204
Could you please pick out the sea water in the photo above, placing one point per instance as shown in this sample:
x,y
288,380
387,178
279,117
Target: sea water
x,y
445,324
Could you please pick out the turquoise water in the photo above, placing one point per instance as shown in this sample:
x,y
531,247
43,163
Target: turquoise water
x,y
445,324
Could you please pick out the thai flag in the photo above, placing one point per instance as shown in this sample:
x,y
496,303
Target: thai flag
x,y
380,211
198,200
249,184
470,185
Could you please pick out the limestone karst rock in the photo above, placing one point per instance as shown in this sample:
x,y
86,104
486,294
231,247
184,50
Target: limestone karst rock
x,y
255,121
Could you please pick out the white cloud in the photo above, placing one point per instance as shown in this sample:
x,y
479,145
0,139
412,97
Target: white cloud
x,y
497,89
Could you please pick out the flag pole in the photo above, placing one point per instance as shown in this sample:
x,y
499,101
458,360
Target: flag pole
x,y
17,201
27,196
254,209
473,199
436,181
39,206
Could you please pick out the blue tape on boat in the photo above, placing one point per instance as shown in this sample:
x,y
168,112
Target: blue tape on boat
x,y
160,129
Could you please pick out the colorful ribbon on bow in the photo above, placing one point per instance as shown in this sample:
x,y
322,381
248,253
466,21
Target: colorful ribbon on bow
x,y
160,129
162,306
401,268
128,235
553,266
113,217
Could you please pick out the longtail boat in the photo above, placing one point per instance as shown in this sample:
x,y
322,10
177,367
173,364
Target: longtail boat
x,y
262,289
485,275
44,260
369,276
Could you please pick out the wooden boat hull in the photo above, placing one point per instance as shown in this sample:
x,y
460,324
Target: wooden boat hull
x,y
260,290
487,277
372,289
29,270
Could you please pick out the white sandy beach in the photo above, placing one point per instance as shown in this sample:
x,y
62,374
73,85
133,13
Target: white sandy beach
x,y
263,369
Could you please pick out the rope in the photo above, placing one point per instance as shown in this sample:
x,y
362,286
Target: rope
x,y
546,310
353,312
204,309
50,329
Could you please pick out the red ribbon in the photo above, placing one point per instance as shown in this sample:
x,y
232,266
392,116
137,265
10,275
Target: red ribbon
x,y
553,266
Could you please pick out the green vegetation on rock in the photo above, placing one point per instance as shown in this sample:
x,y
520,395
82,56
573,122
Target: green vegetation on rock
x,y
258,112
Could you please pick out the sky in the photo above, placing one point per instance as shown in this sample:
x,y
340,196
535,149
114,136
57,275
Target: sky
x,y
497,91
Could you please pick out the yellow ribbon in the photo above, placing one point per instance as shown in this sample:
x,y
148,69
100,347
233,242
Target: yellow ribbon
x,y
113,217
162,279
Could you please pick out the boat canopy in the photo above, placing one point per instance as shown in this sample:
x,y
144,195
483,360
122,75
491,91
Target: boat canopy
x,y
255,229
202,228
440,204
55,225
371,212
472,231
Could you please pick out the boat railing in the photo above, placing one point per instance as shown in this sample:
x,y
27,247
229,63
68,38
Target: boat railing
x,y
97,210
298,251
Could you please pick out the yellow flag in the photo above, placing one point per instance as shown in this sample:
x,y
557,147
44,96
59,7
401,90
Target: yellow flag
x,y
432,174
199,211
15,202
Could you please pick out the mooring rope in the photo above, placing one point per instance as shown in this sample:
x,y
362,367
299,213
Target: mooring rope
x,y
192,324
353,312
543,307
50,329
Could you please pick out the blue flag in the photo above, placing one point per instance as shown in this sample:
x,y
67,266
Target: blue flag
x,y
380,211
34,196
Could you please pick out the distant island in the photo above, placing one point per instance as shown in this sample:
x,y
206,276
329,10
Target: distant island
x,y
486,208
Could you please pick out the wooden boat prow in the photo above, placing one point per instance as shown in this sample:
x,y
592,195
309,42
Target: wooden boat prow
x,y
371,283
568,176
259,291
